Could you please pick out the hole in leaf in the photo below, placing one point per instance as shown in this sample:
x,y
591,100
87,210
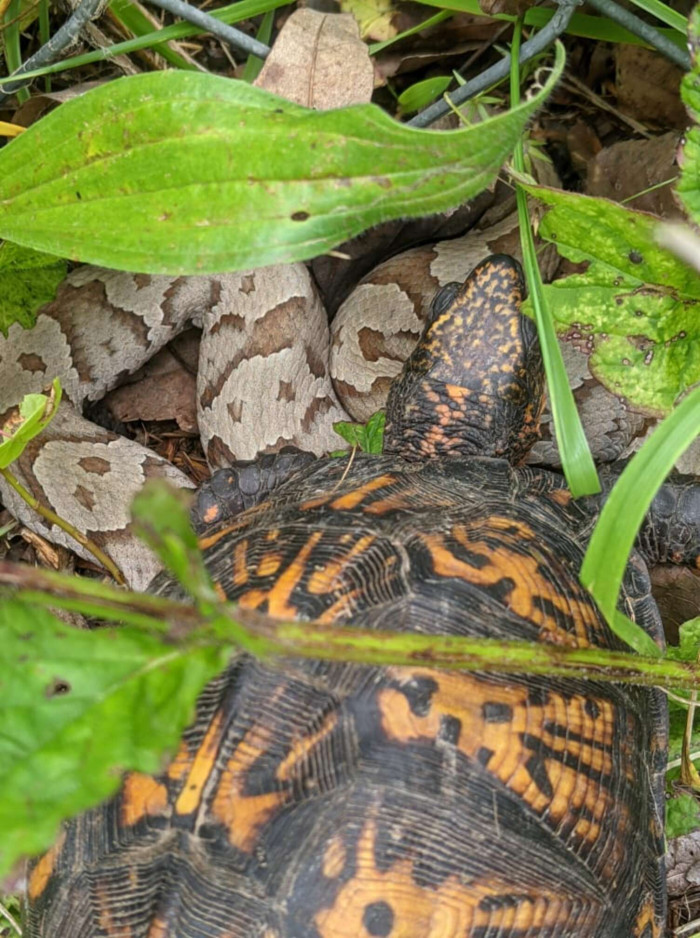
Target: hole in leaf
x,y
300,216
57,688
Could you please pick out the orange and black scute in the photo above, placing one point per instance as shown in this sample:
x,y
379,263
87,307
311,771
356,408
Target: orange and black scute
x,y
325,800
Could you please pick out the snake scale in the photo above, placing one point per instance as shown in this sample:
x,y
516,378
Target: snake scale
x,y
272,373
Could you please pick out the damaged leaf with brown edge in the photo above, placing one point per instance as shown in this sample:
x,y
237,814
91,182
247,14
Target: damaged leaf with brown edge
x,y
635,309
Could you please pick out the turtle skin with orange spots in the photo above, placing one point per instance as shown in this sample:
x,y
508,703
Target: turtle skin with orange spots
x,y
332,800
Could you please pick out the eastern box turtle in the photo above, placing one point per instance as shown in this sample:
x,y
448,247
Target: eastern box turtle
x,y
317,800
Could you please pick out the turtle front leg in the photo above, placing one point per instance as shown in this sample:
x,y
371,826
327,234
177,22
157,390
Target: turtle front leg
x,y
245,484
670,532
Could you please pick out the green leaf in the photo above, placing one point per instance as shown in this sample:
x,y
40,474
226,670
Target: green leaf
x,y
621,518
636,307
162,517
577,462
36,411
78,708
29,280
369,437
176,172
688,647
423,92
133,19
682,815
688,186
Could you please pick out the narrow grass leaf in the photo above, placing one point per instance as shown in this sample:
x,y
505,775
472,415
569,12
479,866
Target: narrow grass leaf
x,y
191,173
135,21
625,509
576,458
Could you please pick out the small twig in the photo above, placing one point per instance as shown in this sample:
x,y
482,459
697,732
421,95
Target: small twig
x,y
63,38
11,919
554,28
52,518
229,34
578,86
644,31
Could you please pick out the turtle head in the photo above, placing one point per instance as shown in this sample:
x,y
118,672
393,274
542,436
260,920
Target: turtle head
x,y
474,383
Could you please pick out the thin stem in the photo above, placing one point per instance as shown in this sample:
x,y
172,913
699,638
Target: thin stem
x,y
259,634
66,35
52,518
556,26
229,34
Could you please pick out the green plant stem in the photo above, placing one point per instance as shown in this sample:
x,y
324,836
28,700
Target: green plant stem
x,y
68,33
491,76
269,637
52,518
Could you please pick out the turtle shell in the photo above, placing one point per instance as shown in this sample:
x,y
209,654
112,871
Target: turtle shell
x,y
326,800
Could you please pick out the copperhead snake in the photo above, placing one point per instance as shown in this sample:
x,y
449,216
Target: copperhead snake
x,y
271,373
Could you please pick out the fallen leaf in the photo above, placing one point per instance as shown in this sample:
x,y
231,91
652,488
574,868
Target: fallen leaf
x,y
625,169
319,61
647,87
164,389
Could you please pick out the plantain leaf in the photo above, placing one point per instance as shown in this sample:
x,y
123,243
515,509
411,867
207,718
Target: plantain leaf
x,y
175,172
636,308
78,708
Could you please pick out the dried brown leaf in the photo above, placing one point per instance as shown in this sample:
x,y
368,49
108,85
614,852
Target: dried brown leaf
x,y
319,61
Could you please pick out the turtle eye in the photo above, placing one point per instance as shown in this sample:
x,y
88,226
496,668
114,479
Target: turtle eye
x,y
442,300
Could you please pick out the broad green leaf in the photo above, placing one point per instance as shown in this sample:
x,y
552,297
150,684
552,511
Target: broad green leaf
x,y
621,518
78,708
175,172
369,437
682,815
423,92
636,307
35,412
29,280
688,186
